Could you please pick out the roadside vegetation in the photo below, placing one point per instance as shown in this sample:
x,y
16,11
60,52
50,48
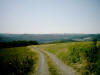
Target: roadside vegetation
x,y
82,56
17,61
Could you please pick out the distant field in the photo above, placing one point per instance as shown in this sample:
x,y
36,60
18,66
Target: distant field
x,y
76,54
17,61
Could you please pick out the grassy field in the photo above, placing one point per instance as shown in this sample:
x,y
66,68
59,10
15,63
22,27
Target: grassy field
x,y
80,55
17,61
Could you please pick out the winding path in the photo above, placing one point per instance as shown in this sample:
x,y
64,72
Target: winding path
x,y
65,70
42,68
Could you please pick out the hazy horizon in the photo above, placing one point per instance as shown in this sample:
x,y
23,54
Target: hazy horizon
x,y
50,16
49,33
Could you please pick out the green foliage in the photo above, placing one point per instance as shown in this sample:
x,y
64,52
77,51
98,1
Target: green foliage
x,y
16,61
73,56
86,54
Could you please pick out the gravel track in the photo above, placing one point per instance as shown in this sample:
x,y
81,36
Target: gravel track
x,y
64,70
42,68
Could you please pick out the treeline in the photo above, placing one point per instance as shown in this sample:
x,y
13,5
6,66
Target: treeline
x,y
17,43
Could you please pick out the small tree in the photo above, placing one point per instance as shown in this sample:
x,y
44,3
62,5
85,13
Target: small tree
x,y
95,42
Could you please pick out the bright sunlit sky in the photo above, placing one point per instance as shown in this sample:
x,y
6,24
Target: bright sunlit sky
x,y
49,16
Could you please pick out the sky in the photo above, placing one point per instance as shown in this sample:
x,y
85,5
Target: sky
x,y
49,16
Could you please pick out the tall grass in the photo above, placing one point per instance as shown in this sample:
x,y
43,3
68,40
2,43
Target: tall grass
x,y
85,54
16,61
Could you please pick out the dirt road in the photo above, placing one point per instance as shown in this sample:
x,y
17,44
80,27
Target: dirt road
x,y
43,67
65,70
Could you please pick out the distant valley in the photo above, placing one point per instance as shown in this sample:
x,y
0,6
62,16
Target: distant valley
x,y
47,38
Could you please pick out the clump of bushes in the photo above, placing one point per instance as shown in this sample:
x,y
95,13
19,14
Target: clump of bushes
x,y
86,54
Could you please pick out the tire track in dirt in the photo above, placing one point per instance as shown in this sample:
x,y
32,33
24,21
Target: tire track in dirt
x,y
42,68
64,70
